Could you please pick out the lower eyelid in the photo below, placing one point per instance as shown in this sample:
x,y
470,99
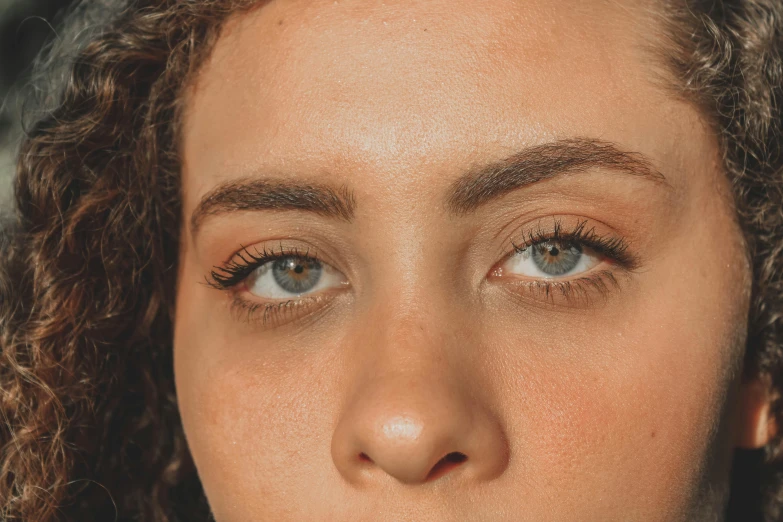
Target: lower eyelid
x,y
273,313
572,291
267,313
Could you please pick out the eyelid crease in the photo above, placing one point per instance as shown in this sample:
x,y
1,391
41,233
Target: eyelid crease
x,y
615,248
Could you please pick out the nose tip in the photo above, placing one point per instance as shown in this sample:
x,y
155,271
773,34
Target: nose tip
x,y
409,450
427,442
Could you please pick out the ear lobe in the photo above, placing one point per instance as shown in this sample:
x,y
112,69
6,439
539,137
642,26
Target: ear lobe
x,y
756,425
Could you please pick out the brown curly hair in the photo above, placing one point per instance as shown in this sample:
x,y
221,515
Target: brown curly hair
x,y
90,428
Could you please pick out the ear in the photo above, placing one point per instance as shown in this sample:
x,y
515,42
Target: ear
x,y
756,426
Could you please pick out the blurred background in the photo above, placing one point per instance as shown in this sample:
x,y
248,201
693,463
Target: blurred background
x,y
25,26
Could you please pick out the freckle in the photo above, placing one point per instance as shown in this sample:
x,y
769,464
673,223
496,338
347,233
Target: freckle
x,y
280,22
652,434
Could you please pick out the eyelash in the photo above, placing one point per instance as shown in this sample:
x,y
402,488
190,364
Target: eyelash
x,y
613,248
239,268
234,272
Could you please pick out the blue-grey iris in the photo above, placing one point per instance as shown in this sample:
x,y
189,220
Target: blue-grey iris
x,y
556,258
296,275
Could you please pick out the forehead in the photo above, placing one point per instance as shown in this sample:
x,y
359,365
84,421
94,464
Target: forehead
x,y
391,86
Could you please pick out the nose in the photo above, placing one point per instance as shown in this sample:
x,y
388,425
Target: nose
x,y
414,421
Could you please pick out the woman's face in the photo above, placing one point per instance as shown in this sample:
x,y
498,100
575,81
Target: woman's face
x,y
505,278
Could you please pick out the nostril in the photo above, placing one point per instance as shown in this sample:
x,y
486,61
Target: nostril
x,y
456,457
446,464
364,457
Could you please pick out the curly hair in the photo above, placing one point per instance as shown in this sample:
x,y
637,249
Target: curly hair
x,y
90,428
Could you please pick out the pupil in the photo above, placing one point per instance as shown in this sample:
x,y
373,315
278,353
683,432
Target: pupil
x,y
553,251
299,269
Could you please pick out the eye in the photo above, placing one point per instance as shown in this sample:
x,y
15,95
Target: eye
x,y
292,276
552,259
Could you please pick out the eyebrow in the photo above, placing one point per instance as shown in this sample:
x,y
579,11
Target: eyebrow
x,y
264,194
469,192
542,162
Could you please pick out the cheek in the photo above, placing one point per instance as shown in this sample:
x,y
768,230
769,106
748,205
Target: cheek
x,y
252,417
639,424
252,431
636,409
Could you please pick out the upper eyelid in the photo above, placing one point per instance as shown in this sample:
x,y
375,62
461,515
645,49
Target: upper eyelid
x,y
582,231
232,267
608,244
572,290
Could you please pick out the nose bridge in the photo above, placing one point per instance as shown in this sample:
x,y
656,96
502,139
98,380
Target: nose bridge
x,y
412,338
408,415
409,314
413,343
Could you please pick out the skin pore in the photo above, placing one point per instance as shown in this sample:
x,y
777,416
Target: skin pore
x,y
433,374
